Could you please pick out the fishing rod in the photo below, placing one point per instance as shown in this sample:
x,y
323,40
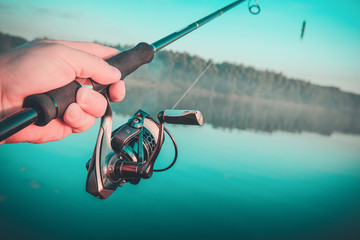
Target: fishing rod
x,y
40,109
128,153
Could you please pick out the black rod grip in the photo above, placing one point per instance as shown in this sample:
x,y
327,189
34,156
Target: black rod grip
x,y
52,104
128,61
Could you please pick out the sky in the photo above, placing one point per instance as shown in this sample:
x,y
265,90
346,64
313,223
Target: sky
x,y
329,54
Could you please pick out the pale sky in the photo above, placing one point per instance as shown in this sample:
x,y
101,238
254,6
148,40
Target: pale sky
x,y
328,55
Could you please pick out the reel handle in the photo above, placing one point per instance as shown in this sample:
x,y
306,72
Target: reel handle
x,y
52,104
186,117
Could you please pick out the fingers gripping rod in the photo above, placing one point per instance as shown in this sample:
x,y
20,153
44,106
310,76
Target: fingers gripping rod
x,y
42,108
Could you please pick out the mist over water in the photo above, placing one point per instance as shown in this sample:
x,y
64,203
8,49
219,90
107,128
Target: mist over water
x,y
242,112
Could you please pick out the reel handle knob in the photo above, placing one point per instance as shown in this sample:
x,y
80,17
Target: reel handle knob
x,y
186,117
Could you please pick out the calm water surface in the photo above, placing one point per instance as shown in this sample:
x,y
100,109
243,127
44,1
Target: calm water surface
x,y
225,185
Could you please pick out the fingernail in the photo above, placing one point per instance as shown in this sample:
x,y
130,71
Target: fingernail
x,y
86,97
116,72
122,95
73,112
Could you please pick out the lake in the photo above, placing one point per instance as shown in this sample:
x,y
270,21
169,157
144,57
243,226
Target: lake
x,y
226,184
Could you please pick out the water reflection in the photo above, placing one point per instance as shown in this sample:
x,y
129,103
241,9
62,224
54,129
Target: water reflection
x,y
245,186
241,112
34,184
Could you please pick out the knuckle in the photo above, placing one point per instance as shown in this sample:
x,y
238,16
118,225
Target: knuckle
x,y
86,123
38,41
91,102
43,43
73,115
48,48
99,62
99,107
55,47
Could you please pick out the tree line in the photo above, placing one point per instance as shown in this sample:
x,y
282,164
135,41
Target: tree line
x,y
240,112
181,69
234,95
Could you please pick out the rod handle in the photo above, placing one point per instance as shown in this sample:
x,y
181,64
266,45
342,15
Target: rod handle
x,y
52,104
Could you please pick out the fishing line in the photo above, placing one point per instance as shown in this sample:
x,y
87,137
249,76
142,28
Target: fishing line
x,y
196,80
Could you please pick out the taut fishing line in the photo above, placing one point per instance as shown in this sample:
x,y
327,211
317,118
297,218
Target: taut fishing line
x,y
195,81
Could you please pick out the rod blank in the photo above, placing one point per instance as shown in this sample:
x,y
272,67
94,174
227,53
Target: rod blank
x,y
158,45
17,121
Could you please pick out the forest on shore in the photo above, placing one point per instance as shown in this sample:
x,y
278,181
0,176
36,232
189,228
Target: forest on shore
x,y
234,95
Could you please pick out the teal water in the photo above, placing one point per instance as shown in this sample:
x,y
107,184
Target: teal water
x,y
225,185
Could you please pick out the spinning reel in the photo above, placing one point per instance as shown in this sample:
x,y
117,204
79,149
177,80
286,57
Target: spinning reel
x,y
128,154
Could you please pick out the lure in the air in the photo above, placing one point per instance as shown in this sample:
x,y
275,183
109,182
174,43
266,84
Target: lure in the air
x,y
303,30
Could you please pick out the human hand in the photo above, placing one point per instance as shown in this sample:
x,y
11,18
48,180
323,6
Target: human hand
x,y
41,66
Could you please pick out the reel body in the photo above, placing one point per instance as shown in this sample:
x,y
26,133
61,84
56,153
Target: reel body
x,y
128,154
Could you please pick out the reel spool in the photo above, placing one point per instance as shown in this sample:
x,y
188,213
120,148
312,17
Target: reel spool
x,y
128,154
